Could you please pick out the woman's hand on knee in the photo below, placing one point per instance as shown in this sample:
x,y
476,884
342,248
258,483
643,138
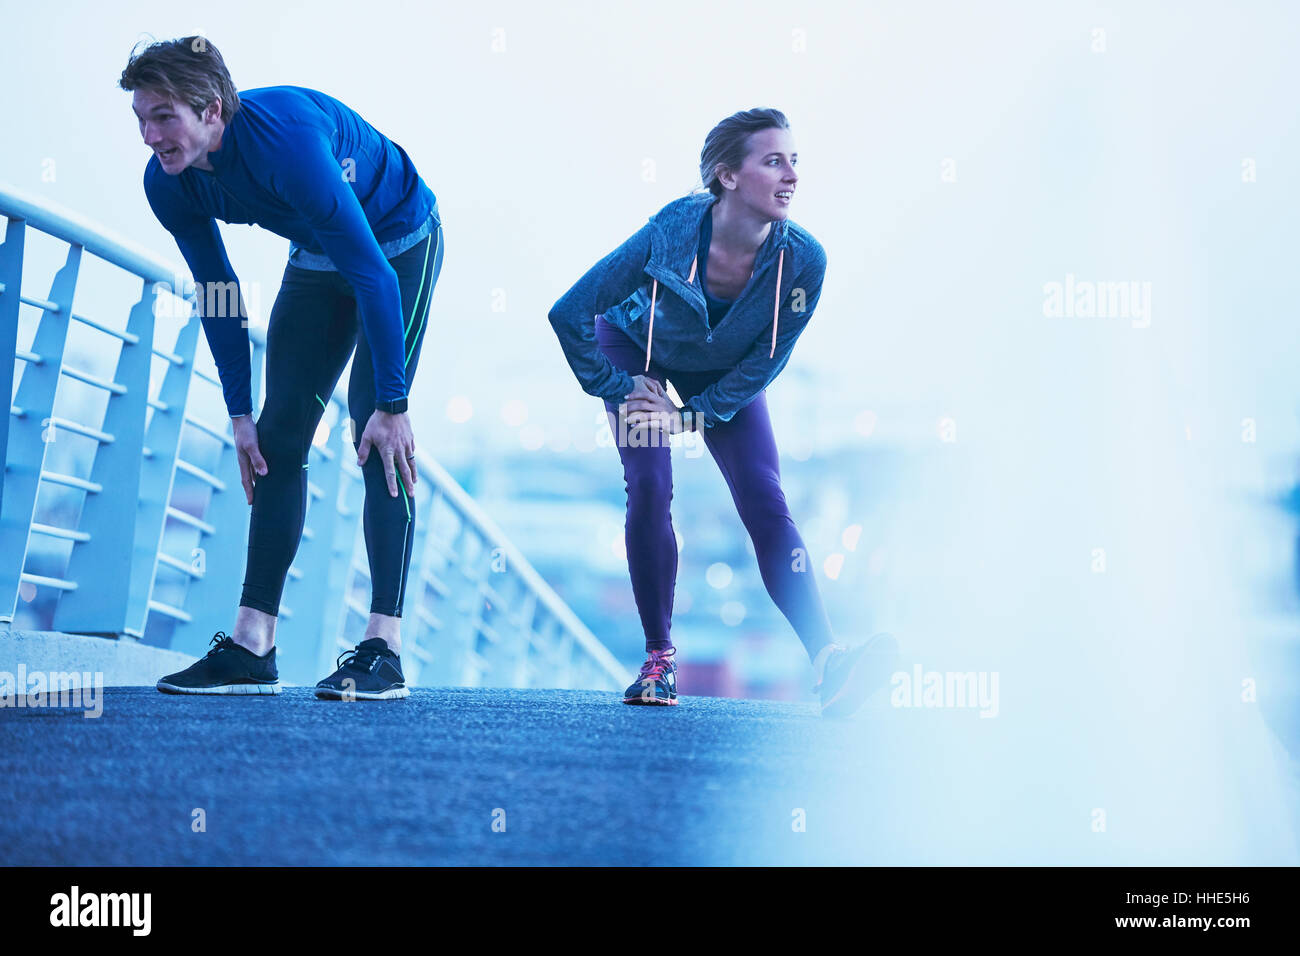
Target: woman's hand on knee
x,y
646,394
643,386
648,405
390,436
248,453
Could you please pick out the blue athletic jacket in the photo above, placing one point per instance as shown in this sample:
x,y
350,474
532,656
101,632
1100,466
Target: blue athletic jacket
x,y
659,264
303,165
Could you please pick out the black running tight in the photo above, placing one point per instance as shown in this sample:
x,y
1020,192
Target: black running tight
x,y
311,332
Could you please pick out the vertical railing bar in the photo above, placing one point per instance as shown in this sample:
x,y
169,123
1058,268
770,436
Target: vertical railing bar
x,y
29,440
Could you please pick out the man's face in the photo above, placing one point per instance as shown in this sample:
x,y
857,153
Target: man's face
x,y
177,136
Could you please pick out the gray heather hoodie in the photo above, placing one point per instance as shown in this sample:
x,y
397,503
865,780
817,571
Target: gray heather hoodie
x,y
658,263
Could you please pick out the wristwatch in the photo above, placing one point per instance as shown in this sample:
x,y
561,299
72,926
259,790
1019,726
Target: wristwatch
x,y
395,407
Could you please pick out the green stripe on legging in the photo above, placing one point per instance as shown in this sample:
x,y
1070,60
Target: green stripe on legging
x,y
401,572
416,304
322,405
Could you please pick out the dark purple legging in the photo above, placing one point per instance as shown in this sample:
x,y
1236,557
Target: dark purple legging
x,y
745,451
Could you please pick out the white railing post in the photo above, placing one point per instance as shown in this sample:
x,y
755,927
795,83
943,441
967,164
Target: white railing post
x,y
100,604
11,280
158,469
30,435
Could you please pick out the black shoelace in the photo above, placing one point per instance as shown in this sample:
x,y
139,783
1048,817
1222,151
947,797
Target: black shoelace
x,y
220,641
359,658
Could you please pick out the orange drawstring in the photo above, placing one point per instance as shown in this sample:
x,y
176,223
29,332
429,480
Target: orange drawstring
x,y
654,293
776,309
650,334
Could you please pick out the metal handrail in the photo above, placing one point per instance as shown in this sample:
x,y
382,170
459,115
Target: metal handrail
x,y
494,619
554,604
62,223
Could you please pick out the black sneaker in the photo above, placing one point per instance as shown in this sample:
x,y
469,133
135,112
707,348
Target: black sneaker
x,y
368,672
657,682
227,669
847,676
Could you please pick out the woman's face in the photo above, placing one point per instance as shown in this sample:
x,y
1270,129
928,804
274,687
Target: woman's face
x,y
766,180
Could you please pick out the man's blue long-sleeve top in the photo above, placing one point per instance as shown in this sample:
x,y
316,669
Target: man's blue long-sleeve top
x,y
304,166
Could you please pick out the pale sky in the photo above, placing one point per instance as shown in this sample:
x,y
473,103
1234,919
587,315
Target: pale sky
x,y
534,124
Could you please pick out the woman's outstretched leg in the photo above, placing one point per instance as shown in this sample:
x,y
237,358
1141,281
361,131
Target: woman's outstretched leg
x,y
745,450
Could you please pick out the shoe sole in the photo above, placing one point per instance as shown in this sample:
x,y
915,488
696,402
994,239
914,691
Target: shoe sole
x,y
870,672
650,701
245,690
393,693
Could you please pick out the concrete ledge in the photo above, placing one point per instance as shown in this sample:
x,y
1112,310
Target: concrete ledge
x,y
123,663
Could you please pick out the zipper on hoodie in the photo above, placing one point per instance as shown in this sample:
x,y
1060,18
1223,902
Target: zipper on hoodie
x,y
755,277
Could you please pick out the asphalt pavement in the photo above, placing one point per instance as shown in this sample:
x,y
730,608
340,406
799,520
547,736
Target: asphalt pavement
x,y
446,776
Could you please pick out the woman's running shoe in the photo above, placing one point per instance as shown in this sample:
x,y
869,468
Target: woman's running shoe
x,y
228,668
370,671
847,676
657,682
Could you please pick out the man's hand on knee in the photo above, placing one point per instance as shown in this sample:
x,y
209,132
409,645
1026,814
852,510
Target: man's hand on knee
x,y
247,452
390,436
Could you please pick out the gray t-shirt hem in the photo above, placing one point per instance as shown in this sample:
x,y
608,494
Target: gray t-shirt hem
x,y
394,247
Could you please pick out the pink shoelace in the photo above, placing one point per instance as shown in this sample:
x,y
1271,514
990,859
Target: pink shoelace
x,y
658,663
